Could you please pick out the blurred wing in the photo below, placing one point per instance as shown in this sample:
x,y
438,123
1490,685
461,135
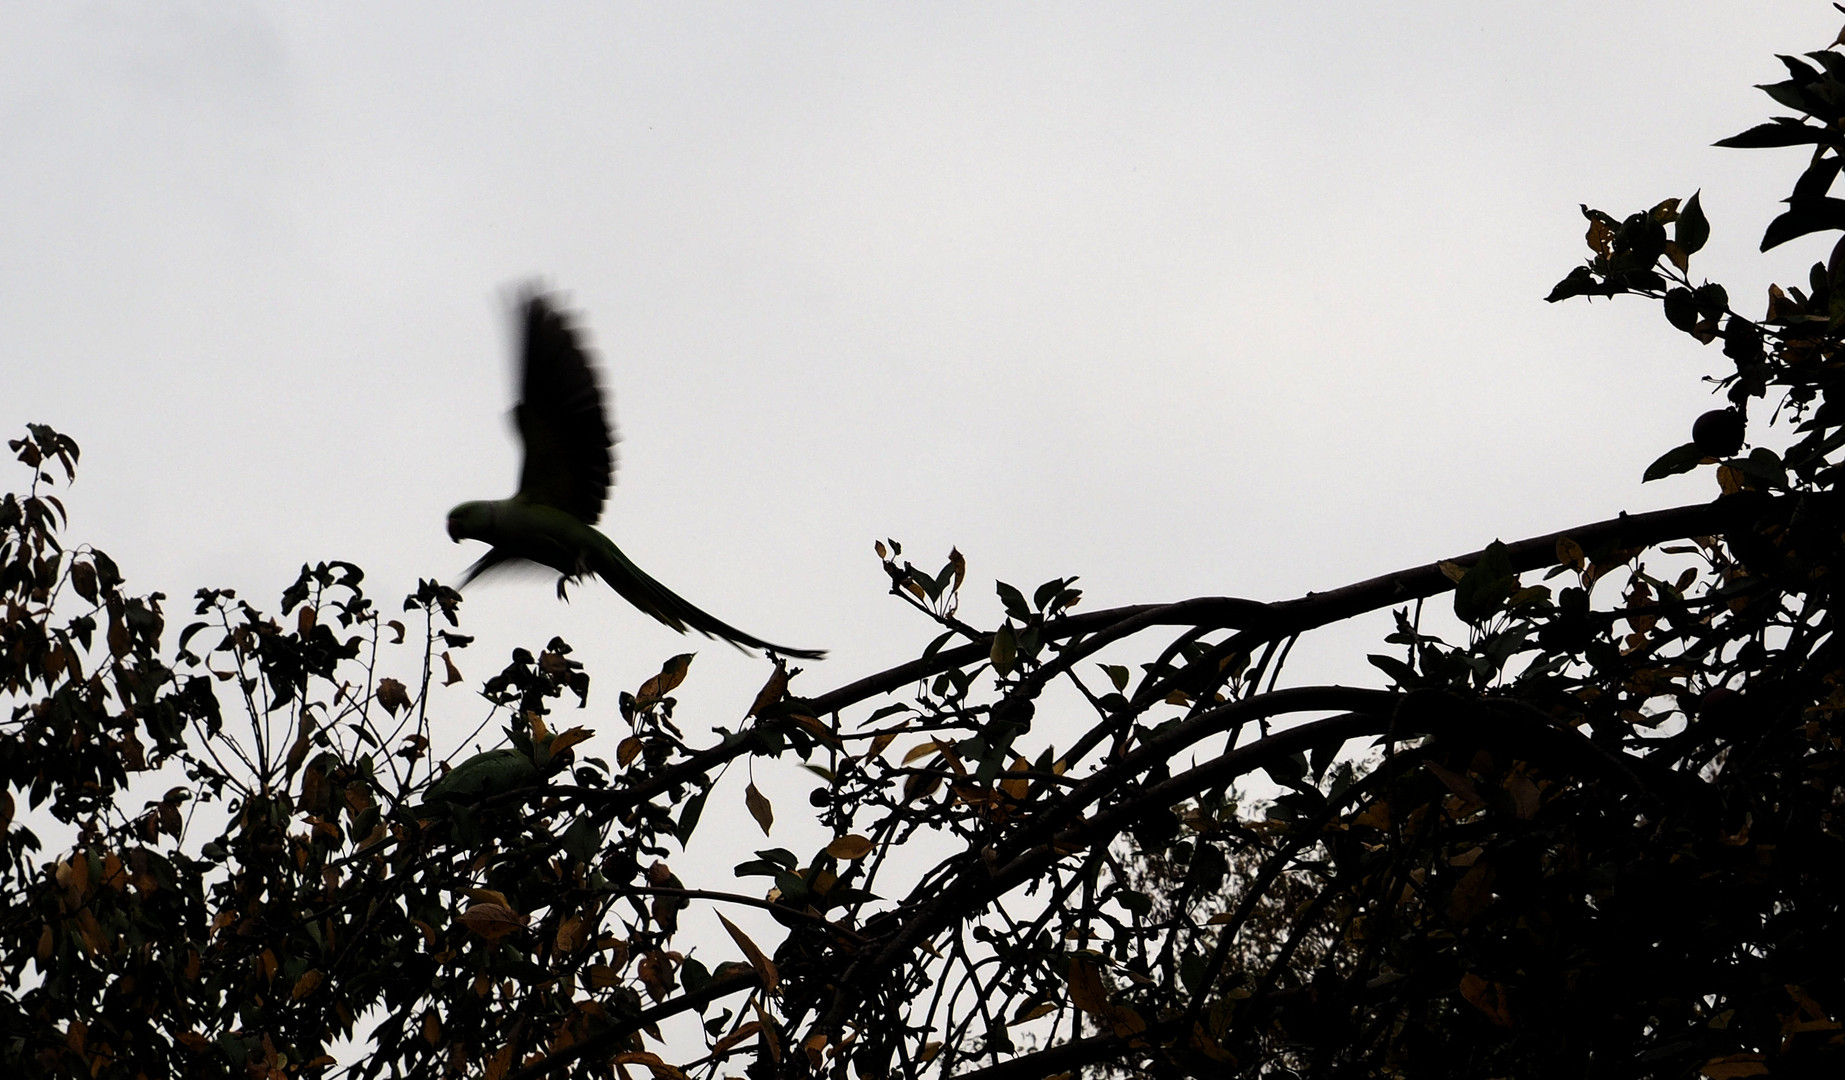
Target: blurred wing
x,y
569,447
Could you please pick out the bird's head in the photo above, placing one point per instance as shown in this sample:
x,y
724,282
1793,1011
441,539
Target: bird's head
x,y
469,521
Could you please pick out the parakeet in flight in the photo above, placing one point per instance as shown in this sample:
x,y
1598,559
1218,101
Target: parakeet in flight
x,y
569,465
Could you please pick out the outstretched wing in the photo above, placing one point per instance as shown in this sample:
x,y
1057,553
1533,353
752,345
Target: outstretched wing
x,y
569,447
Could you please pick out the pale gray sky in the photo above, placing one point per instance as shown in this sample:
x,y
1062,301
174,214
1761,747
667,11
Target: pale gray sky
x,y
1187,299
1183,298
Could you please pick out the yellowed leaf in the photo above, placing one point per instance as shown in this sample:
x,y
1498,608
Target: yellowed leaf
x,y
1088,990
772,691
921,750
308,983
627,751
454,673
392,695
492,921
1524,795
1471,894
660,1069
1452,570
1125,1021
1488,997
764,967
564,740
1376,816
672,673
850,847
743,1032
758,806
1730,480
1733,1065
1018,787
499,1063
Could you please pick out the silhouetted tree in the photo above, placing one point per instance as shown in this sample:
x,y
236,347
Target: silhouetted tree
x,y
1588,826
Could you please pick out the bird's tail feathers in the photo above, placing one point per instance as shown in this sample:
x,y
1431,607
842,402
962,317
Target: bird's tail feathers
x,y
636,587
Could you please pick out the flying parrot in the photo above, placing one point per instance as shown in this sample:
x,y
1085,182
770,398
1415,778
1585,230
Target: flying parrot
x,y
569,466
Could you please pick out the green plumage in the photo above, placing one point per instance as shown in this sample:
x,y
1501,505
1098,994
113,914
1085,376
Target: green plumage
x,y
483,775
568,469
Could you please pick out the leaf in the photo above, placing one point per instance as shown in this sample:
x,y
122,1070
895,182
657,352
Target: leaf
x,y
1489,998
564,740
1472,895
1580,282
759,808
392,695
1013,601
689,815
398,628
83,579
1679,459
1682,309
627,751
1485,585
672,673
850,847
1733,1065
743,1032
1005,651
764,967
1088,991
492,921
1783,131
454,673
660,1069
1400,672
1803,216
772,691
1569,553
921,750
1693,228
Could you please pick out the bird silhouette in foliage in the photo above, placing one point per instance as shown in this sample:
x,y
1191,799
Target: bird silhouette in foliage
x,y
564,480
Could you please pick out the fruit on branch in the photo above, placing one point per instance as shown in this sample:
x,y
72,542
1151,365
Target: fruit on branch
x,y
1719,432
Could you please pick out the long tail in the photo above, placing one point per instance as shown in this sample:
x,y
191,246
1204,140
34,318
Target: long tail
x,y
637,588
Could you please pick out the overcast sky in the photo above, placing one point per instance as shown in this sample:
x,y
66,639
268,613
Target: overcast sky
x,y
1187,299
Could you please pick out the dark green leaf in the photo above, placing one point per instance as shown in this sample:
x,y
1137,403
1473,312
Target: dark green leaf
x,y
1692,229
1677,460
1803,217
1013,601
1682,309
688,817
1782,131
1486,585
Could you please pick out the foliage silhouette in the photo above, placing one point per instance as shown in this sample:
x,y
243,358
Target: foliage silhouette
x,y
1588,826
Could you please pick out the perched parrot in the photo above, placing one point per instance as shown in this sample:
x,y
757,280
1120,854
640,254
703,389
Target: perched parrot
x,y
569,465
